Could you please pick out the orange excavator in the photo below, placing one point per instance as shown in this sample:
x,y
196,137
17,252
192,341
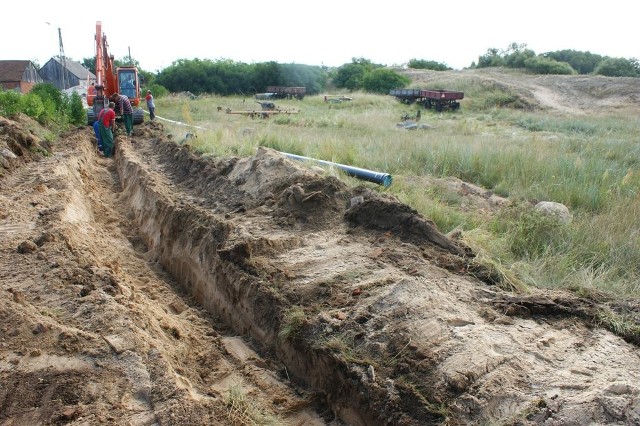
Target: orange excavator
x,y
124,80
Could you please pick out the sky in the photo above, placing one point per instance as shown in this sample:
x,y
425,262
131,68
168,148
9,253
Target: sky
x,y
327,32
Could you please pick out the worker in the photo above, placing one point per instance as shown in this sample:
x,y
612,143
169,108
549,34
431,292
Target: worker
x,y
125,108
151,106
107,125
96,128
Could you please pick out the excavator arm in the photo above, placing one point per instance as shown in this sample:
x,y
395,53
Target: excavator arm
x,y
110,80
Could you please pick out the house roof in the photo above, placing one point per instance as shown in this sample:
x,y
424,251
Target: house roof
x,y
76,69
12,70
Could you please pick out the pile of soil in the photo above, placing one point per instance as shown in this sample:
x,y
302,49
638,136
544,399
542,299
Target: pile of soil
x,y
162,287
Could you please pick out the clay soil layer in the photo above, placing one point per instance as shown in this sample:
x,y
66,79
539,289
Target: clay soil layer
x,y
162,287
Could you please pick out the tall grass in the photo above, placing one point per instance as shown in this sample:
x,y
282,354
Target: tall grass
x,y
590,164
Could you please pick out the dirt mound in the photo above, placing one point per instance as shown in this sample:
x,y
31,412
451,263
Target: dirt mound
x,y
164,287
18,144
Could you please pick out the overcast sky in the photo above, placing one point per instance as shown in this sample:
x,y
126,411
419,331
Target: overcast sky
x,y
328,32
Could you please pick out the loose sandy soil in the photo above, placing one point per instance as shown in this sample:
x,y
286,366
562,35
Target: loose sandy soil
x,y
165,288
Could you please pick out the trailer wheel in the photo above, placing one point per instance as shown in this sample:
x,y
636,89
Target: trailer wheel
x,y
427,104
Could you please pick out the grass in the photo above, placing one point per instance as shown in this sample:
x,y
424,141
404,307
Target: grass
x,y
590,164
292,323
242,411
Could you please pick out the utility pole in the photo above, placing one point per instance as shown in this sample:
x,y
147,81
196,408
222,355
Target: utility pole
x,y
62,60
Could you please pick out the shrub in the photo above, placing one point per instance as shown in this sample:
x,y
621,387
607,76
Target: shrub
x,y
77,113
9,103
427,65
542,65
157,91
32,105
381,80
48,91
618,67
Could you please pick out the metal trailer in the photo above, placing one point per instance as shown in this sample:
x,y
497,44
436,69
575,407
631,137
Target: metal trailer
x,y
286,92
430,98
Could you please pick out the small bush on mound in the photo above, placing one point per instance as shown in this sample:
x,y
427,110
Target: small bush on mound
x,y
51,97
9,103
77,114
32,105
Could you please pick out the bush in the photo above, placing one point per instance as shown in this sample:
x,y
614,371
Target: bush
x,y
618,67
9,103
422,64
32,105
56,105
381,80
542,65
157,91
48,91
77,113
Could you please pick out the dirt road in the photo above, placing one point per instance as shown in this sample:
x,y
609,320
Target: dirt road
x,y
160,287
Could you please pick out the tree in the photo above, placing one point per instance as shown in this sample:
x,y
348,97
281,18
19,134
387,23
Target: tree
x,y
423,64
517,59
226,77
350,76
582,62
381,80
90,64
491,58
541,65
618,67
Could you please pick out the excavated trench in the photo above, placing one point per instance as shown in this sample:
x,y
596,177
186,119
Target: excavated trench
x,y
222,227
362,299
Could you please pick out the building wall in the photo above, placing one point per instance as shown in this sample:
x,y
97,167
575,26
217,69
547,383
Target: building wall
x,y
11,85
28,79
52,72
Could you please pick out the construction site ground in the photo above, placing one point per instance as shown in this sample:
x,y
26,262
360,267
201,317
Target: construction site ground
x,y
161,287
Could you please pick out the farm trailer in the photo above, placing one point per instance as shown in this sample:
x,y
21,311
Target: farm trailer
x,y
438,99
286,92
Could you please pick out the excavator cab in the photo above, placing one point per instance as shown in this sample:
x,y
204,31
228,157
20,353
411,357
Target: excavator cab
x,y
128,84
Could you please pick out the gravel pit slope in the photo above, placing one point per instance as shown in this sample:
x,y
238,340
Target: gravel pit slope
x,y
166,288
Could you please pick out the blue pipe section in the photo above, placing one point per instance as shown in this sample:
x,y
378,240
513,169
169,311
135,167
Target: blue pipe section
x,y
384,179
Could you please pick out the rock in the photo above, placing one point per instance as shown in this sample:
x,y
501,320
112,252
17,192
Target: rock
x,y
27,246
6,152
18,297
40,328
557,210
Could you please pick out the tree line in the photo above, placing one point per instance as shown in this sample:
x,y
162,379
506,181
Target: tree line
x,y
226,77
559,62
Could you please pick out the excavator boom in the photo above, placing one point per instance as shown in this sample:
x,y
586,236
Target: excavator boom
x,y
109,80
